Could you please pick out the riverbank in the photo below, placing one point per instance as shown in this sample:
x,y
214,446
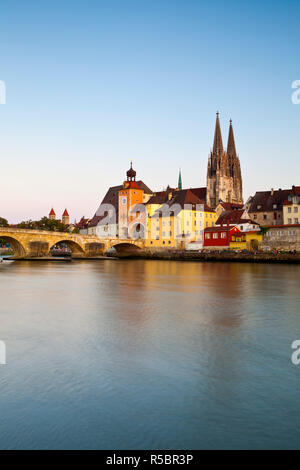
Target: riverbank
x,y
59,259
224,257
181,256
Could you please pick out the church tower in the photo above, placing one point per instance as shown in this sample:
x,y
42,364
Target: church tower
x,y
224,180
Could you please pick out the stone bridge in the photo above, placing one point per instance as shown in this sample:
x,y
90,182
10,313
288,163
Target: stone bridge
x,y
38,243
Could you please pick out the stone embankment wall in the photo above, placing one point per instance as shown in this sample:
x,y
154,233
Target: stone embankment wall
x,y
223,256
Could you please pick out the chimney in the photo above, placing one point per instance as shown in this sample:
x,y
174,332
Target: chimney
x,y
272,191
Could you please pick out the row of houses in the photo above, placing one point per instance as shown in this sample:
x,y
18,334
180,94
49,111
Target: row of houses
x,y
179,218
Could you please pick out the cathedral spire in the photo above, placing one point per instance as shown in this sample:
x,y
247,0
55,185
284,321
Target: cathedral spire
x,y
231,151
218,143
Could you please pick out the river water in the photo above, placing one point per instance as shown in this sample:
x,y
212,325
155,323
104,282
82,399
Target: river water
x,y
141,354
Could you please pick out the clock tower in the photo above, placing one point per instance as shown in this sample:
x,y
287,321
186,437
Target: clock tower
x,y
129,196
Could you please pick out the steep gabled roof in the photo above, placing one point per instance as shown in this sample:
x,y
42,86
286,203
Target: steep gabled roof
x,y
143,186
235,217
185,197
112,197
230,206
158,198
263,201
200,192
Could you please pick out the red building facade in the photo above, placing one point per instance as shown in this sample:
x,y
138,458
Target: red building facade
x,y
219,237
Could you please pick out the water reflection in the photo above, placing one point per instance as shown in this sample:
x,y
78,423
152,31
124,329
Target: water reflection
x,y
148,354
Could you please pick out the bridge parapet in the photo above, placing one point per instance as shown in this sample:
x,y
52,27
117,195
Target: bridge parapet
x,y
37,243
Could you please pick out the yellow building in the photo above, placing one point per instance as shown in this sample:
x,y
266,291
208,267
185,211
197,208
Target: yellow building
x,y
291,207
176,218
249,241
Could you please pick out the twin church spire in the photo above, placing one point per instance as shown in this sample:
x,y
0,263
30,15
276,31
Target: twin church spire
x,y
218,149
224,180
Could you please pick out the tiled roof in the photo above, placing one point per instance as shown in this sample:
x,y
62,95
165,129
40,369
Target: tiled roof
x,y
183,197
83,223
234,217
226,228
200,193
230,206
112,197
143,186
263,201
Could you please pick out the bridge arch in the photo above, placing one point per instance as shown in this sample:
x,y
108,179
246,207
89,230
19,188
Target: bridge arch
x,y
75,247
126,249
17,247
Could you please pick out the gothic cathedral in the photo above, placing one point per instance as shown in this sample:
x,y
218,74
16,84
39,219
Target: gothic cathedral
x,y
224,179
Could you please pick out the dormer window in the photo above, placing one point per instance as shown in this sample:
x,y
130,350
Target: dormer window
x,y
259,206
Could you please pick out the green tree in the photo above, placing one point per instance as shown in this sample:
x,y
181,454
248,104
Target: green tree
x,y
44,224
3,222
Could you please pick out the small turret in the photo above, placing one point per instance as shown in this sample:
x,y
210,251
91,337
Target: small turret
x,y
65,218
52,215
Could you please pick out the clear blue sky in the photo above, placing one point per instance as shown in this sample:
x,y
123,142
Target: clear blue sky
x,y
91,84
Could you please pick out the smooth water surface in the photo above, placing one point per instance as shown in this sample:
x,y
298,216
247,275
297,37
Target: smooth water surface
x,y
134,354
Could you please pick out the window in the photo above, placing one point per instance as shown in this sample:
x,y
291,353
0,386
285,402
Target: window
x,y
295,209
164,234
223,235
289,221
296,221
169,242
207,236
255,217
233,238
274,206
215,235
164,242
265,216
289,210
